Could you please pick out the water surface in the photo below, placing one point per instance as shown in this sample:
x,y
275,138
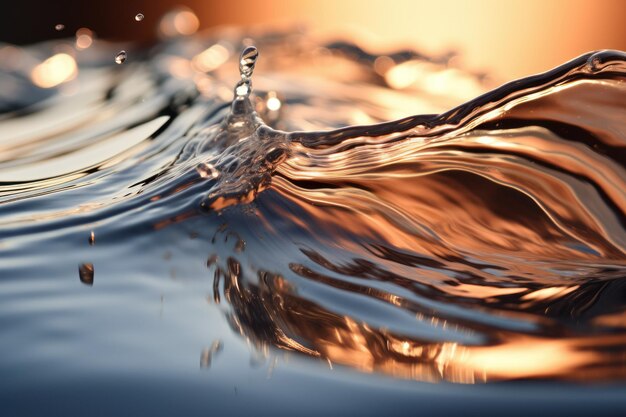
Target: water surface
x,y
316,229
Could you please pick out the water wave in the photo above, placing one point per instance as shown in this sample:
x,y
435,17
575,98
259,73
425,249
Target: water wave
x,y
486,242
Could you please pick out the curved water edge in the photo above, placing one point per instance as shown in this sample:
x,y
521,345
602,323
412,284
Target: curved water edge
x,y
478,244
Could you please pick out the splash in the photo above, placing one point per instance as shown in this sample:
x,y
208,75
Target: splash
x,y
482,243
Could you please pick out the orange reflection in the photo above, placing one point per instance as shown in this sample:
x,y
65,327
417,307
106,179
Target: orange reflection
x,y
55,70
180,67
511,39
179,22
84,38
432,79
270,312
211,58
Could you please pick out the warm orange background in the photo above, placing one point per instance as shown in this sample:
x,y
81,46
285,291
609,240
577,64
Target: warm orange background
x,y
512,38
509,38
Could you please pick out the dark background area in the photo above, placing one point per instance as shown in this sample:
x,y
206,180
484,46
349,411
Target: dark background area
x,y
30,21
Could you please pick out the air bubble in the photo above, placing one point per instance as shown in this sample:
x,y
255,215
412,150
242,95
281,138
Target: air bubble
x,y
120,58
139,17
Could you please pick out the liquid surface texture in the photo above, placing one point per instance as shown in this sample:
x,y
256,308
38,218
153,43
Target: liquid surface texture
x,y
308,227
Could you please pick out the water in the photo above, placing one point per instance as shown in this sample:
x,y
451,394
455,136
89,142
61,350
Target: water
x,y
120,58
180,237
139,17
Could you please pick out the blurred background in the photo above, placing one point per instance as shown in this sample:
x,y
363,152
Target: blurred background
x,y
508,39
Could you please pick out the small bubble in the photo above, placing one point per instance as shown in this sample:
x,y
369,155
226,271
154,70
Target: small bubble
x,y
85,273
139,17
120,57
59,27
247,61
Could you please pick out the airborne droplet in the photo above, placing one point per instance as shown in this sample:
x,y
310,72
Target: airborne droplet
x,y
59,27
85,273
139,17
247,61
120,57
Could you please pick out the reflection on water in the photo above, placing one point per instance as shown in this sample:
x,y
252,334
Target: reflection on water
x,y
478,244
272,313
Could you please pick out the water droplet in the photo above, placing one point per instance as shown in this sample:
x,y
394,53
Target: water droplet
x,y
92,238
59,27
247,61
207,171
139,17
120,57
85,273
242,89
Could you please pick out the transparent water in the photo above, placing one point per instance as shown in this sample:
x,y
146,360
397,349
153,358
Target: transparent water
x,y
188,234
